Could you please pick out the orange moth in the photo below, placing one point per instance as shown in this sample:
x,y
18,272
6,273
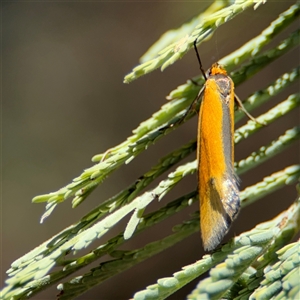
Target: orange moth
x,y
217,181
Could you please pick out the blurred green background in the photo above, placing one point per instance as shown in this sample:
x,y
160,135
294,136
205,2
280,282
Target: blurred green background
x,y
63,101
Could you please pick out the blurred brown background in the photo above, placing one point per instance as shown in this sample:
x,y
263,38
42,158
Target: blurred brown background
x,y
64,100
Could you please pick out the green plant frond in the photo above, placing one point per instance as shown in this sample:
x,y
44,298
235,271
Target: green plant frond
x,y
54,249
29,278
266,152
268,262
264,59
157,193
248,196
270,184
253,47
278,111
271,279
229,262
70,266
249,49
110,205
164,186
262,96
252,264
177,50
82,186
281,280
173,35
187,92
223,276
244,131
126,260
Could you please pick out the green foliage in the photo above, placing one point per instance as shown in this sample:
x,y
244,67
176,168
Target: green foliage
x,y
259,264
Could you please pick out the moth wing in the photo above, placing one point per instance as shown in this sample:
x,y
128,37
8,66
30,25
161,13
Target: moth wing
x,y
219,205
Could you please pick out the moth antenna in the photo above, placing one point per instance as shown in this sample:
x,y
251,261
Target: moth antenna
x,y
199,60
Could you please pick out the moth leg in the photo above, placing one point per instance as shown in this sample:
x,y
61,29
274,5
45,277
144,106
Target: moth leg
x,y
242,107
